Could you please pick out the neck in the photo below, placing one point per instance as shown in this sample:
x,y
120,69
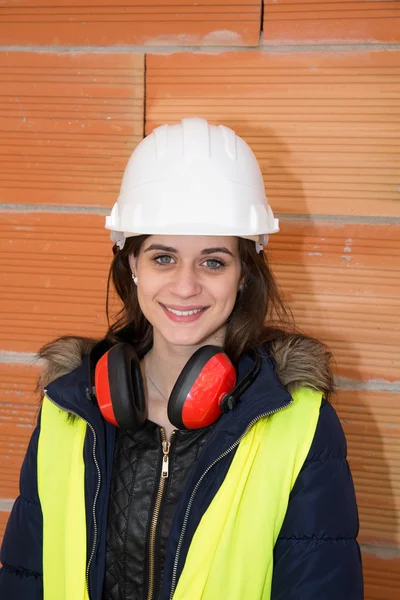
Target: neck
x,y
165,361
165,364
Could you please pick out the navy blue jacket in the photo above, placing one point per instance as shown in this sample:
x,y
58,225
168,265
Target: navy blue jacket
x,y
316,556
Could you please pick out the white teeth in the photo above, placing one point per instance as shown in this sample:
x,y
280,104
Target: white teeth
x,y
184,313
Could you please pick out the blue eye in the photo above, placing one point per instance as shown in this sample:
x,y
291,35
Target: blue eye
x,y
163,259
214,264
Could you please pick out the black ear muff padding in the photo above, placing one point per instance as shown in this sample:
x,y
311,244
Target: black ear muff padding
x,y
186,380
126,387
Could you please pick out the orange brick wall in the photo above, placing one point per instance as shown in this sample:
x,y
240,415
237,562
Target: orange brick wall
x,y
314,87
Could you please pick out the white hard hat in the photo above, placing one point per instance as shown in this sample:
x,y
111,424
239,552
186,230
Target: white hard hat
x,y
192,179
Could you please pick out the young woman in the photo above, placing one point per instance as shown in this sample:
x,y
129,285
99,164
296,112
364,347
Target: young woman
x,y
192,453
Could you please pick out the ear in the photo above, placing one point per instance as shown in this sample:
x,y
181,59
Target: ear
x,y
133,263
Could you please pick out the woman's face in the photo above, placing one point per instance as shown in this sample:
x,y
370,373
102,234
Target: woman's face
x,y
187,286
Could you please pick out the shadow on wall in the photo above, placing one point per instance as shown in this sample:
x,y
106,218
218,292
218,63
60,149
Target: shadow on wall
x,y
358,409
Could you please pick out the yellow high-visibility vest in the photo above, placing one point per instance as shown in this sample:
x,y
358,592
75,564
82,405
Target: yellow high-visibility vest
x,y
61,487
231,553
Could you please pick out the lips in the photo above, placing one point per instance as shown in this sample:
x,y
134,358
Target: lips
x,y
183,314
184,307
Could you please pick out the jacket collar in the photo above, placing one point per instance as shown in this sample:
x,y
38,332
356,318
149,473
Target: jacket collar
x,y
72,392
266,395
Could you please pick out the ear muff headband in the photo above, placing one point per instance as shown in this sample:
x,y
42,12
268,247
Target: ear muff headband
x,y
205,380
232,399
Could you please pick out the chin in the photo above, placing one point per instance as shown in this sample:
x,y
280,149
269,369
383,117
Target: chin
x,y
194,338
184,340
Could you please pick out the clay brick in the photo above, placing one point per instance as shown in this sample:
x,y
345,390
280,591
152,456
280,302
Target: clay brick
x,y
324,126
340,22
154,22
19,409
371,421
3,522
381,574
342,283
53,277
68,124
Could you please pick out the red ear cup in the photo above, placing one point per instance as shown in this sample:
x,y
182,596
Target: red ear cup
x,y
196,398
102,387
119,387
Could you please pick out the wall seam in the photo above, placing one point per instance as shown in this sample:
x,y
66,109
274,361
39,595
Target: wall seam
x,y
343,383
261,22
383,551
264,48
105,210
144,94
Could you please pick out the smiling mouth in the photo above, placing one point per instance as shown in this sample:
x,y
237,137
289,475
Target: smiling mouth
x,y
184,313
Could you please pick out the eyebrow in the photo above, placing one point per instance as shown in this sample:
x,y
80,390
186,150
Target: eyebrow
x,y
221,249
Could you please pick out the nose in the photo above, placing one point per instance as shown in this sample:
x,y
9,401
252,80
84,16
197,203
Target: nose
x,y
185,283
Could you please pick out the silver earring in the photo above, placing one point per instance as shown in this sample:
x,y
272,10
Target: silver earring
x,y
241,287
135,279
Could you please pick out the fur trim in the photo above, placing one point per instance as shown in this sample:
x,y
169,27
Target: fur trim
x,y
300,361
303,362
61,357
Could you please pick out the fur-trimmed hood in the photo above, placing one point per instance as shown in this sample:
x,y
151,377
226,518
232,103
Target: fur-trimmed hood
x,y
300,361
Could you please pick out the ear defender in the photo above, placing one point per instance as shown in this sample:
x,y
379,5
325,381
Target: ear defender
x,y
119,387
203,391
196,399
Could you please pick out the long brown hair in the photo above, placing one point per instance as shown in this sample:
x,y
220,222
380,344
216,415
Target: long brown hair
x,y
259,315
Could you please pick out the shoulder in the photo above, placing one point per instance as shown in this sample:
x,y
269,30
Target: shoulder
x,y
329,439
62,356
301,361
65,354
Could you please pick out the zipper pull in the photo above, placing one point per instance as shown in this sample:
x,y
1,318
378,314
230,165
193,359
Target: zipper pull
x,y
165,463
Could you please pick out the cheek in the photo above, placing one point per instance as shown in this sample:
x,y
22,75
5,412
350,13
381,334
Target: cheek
x,y
147,306
226,291
147,289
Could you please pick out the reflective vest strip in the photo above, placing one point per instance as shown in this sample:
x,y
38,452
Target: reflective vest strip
x,y
61,485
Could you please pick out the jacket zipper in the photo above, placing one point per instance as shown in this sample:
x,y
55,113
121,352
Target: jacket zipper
x,y
195,489
166,445
97,490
